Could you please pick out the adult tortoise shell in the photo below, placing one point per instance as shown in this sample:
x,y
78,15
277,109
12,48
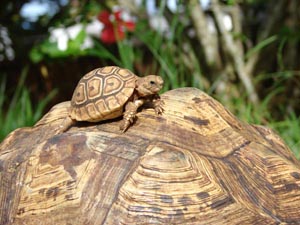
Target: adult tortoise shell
x,y
105,93
197,164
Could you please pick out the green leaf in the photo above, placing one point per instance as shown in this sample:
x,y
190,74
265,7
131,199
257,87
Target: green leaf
x,y
261,45
35,55
74,45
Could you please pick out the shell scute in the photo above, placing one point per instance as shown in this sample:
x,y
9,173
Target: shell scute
x,y
94,87
102,107
125,74
106,70
79,95
112,102
126,91
121,97
93,111
89,75
113,84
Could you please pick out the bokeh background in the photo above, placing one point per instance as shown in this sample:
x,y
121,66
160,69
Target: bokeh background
x,y
243,53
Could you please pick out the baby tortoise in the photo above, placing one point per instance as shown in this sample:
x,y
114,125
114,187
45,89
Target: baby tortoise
x,y
109,92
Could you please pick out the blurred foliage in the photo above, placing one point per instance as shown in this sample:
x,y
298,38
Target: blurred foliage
x,y
50,49
21,111
265,32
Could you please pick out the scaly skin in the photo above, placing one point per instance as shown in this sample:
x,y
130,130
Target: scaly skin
x,y
147,89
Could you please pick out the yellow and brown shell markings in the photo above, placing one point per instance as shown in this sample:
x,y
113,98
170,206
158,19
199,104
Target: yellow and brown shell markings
x,y
102,93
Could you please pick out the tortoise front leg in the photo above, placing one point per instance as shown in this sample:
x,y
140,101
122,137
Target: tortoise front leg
x,y
130,113
158,104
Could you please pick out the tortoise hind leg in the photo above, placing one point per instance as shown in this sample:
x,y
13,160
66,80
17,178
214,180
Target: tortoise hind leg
x,y
66,124
130,113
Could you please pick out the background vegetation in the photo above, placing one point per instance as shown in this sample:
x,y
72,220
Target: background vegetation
x,y
243,53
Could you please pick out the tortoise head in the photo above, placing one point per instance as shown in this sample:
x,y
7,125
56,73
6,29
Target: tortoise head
x,y
149,85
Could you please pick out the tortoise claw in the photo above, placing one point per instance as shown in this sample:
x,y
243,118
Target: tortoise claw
x,y
124,125
127,120
158,107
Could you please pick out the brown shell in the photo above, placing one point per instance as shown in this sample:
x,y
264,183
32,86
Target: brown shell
x,y
102,93
197,164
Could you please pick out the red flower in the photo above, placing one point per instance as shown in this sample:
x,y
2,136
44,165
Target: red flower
x,y
114,26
